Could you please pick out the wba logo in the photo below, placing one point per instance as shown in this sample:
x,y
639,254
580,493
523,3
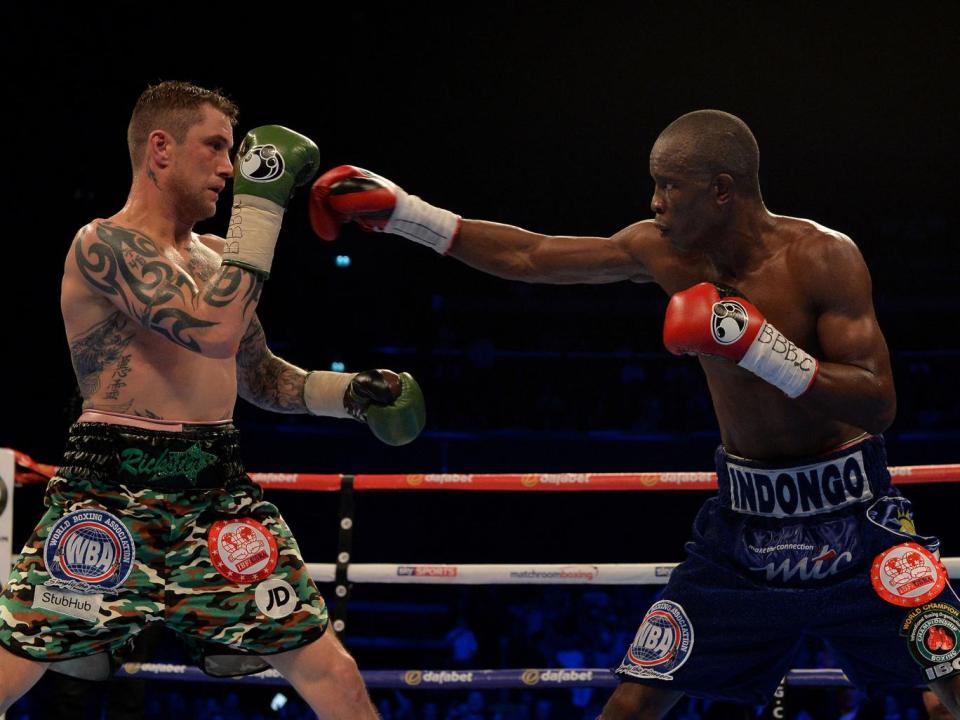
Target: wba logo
x,y
663,643
827,563
89,550
95,552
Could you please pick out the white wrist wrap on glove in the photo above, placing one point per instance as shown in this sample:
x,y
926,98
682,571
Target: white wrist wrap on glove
x,y
780,362
252,234
423,223
323,393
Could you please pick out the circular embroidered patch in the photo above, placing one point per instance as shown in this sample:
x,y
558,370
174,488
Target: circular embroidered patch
x,y
933,634
276,598
908,575
242,549
89,551
662,644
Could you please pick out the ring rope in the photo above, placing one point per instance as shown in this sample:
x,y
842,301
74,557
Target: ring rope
x,y
414,679
524,574
30,471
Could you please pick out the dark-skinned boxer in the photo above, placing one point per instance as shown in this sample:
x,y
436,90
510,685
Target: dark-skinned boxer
x,y
806,534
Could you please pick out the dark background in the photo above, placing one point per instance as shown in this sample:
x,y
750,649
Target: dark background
x,y
536,114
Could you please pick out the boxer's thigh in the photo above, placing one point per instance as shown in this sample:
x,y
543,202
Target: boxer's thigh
x,y
715,634
86,580
236,578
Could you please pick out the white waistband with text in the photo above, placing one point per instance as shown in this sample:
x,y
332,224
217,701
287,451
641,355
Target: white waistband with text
x,y
799,491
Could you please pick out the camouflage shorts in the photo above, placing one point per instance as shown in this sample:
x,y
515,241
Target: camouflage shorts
x,y
125,543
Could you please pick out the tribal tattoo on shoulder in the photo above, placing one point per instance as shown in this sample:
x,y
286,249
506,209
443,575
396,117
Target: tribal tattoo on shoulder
x,y
98,348
127,264
266,380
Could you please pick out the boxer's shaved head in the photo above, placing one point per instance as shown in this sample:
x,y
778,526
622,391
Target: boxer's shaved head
x,y
172,106
714,142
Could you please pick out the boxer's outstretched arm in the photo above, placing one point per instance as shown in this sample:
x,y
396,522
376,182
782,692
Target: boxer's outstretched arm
x,y
351,194
130,270
854,383
516,254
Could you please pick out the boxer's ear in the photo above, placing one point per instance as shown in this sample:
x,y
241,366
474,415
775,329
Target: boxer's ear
x,y
159,148
723,188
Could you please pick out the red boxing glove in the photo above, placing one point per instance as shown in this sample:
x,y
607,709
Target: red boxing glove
x,y
708,319
349,193
702,320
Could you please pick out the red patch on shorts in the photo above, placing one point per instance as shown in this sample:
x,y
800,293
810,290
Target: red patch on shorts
x,y
243,550
907,575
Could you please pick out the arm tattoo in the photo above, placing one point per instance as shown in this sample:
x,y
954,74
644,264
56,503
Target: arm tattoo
x,y
130,266
266,380
98,347
225,288
252,295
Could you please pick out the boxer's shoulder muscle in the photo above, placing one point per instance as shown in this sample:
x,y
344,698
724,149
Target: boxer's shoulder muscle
x,y
212,242
663,264
76,294
825,260
812,242
642,243
206,254
135,273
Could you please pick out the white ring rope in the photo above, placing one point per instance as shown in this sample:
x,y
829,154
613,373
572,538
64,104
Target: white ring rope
x,y
525,574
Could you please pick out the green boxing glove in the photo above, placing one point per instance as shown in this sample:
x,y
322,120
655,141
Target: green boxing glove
x,y
392,405
271,163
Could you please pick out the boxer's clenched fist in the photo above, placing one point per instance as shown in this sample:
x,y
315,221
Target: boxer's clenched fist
x,y
271,163
708,319
351,194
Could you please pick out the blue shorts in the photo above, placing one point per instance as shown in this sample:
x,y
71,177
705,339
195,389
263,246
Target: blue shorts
x,y
824,548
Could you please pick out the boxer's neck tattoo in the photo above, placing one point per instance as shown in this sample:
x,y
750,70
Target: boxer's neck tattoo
x,y
266,380
156,292
153,176
97,348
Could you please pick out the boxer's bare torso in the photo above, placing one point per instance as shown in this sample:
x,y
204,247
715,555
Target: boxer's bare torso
x,y
123,366
811,284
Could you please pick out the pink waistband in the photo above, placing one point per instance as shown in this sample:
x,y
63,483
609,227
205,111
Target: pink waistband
x,y
101,416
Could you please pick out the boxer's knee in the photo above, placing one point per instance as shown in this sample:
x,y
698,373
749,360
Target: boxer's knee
x,y
324,669
347,678
632,701
338,669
